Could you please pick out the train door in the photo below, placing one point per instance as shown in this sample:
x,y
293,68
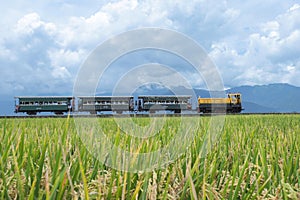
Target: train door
x,y
132,104
71,104
140,104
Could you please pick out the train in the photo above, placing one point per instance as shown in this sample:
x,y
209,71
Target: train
x,y
231,104
32,105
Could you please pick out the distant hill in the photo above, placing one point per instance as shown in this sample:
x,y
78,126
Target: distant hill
x,y
250,107
7,107
271,98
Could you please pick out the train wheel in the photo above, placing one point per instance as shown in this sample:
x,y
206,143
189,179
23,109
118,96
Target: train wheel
x,y
58,113
31,113
177,111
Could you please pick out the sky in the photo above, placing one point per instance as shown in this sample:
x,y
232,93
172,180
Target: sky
x,y
43,44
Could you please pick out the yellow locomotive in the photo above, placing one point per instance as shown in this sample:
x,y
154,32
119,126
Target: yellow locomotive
x,y
231,104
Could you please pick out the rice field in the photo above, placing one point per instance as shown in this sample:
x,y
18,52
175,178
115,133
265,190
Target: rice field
x,y
255,157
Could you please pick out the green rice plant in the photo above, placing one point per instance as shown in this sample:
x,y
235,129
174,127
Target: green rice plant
x,y
254,157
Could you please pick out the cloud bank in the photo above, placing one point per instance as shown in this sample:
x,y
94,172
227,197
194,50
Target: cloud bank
x,y
251,43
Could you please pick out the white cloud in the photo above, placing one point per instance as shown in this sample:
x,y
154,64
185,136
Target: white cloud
x,y
60,72
290,68
30,22
66,57
295,7
111,19
149,74
267,53
25,61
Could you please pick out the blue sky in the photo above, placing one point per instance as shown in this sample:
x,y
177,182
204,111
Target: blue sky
x,y
44,43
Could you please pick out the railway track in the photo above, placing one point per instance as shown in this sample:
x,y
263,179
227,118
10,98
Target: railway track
x,y
137,115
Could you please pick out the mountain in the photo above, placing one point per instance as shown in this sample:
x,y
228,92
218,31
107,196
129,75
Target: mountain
x,y
250,107
7,106
277,97
153,89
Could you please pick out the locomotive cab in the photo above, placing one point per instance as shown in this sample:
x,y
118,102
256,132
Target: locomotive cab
x,y
235,98
235,105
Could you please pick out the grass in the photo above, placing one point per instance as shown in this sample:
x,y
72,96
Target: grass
x,y
256,157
